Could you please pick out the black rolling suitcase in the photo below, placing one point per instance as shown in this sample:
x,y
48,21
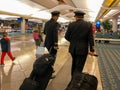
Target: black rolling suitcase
x,y
83,81
29,84
41,73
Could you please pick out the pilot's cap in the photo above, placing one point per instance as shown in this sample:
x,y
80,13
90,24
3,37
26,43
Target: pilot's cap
x,y
55,13
79,13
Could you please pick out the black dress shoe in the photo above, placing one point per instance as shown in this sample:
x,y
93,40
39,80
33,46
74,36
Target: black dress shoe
x,y
53,71
53,76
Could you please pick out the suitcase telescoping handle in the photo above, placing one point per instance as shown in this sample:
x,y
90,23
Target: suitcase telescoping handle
x,y
94,55
95,64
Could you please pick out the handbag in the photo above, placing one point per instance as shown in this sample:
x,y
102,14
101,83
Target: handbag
x,y
29,84
40,50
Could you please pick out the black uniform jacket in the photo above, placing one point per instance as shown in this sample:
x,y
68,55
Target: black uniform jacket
x,y
80,36
5,44
51,32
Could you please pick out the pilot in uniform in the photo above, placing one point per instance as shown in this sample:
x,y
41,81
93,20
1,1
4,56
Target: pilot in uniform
x,y
51,32
81,39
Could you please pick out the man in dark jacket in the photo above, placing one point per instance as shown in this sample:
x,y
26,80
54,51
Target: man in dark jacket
x,y
80,36
51,32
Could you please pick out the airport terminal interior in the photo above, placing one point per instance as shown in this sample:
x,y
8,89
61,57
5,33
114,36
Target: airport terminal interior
x,y
19,18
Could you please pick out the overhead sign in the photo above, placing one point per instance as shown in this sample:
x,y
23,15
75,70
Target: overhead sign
x,y
98,23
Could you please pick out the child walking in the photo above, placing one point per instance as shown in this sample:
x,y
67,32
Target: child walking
x,y
37,35
6,48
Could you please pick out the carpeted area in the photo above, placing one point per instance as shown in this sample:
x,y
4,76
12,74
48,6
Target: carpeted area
x,y
109,65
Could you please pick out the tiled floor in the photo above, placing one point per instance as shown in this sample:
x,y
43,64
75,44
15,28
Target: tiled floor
x,y
23,48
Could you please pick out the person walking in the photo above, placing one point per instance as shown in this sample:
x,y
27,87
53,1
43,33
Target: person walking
x,y
80,36
40,33
51,34
6,48
37,35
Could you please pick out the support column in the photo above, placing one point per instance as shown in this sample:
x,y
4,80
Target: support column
x,y
43,25
23,26
114,24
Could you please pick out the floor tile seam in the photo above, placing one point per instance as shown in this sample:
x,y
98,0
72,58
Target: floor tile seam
x,y
60,69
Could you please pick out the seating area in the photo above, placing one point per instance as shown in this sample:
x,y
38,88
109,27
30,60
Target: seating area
x,y
107,37
115,35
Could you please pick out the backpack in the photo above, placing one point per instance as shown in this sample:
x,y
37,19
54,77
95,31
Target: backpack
x,y
43,65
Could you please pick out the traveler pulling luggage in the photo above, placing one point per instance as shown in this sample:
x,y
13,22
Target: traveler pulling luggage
x,y
40,75
83,81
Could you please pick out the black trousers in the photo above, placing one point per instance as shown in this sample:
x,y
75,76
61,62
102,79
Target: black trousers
x,y
53,52
78,62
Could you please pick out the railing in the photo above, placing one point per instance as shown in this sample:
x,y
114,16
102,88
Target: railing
x,y
107,37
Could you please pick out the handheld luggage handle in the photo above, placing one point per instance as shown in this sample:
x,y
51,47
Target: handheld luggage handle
x,y
95,55
93,72
94,64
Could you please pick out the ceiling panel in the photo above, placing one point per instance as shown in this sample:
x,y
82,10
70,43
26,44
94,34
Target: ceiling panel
x,y
67,7
47,3
108,2
69,2
82,4
108,5
64,7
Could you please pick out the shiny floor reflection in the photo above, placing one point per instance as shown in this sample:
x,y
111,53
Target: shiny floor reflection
x,y
23,47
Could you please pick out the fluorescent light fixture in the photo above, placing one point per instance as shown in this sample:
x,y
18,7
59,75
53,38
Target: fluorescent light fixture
x,y
15,6
42,14
94,6
110,13
111,20
7,16
91,19
47,15
62,20
35,20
